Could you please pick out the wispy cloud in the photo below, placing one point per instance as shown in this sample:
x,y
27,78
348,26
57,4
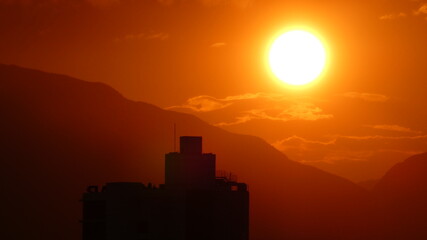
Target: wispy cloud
x,y
421,10
144,36
296,111
218,44
160,36
300,143
393,127
370,97
392,16
264,106
240,4
205,103
305,111
380,137
349,148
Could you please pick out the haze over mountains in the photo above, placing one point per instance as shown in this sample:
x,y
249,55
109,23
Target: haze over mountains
x,y
201,53
61,134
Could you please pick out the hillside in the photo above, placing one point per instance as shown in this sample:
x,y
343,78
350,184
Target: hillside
x,y
402,197
59,135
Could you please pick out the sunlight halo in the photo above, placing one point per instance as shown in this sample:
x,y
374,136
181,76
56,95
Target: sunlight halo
x,y
297,57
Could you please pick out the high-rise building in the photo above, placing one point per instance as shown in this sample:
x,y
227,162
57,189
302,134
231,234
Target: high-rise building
x,y
193,203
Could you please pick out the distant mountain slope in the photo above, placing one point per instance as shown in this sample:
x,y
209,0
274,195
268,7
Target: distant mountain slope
x,y
402,195
60,134
369,184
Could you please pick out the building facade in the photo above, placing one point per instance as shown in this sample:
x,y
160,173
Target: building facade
x,y
192,204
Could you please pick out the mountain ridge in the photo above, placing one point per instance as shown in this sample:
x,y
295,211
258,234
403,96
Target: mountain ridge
x,y
64,134
401,196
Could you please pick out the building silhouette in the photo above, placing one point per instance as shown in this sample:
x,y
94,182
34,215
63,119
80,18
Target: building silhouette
x,y
193,203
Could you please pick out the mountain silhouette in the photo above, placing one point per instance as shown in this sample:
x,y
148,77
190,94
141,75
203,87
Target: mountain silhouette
x,y
60,134
402,197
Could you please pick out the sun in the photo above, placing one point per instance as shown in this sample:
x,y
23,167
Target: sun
x,y
297,57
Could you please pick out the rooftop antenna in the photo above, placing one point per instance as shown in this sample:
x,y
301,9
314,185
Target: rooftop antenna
x,y
174,137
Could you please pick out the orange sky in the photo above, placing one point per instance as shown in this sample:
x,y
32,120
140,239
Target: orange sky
x,y
206,57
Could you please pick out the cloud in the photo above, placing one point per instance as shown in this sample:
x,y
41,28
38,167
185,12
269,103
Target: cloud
x,y
380,137
205,103
256,106
395,128
161,36
305,111
238,120
218,44
350,148
370,97
354,156
297,111
300,142
393,16
304,150
239,4
421,10
144,36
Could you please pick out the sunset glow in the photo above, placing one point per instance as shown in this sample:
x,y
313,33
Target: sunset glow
x,y
297,57
300,119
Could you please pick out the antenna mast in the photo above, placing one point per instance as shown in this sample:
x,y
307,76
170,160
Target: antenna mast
x,y
174,137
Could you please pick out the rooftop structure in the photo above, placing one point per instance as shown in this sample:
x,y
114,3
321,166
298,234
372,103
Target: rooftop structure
x,y
192,204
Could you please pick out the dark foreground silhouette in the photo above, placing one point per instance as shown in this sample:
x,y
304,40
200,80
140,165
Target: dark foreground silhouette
x,y
193,203
60,134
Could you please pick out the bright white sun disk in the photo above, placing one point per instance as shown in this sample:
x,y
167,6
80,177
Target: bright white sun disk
x,y
297,57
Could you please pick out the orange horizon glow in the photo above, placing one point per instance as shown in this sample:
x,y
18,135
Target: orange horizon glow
x,y
210,59
315,105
